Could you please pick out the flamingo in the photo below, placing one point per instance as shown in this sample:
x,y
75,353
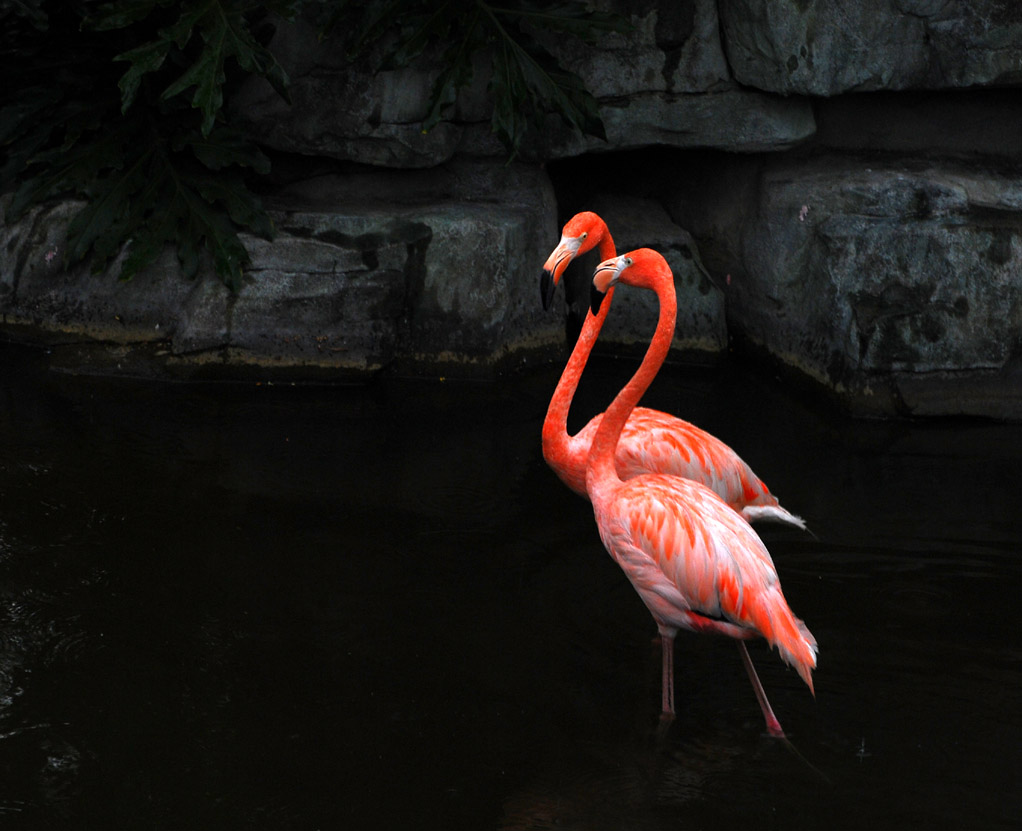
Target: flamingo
x,y
694,561
652,441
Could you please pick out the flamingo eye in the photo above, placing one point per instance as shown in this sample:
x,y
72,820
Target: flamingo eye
x,y
584,235
628,262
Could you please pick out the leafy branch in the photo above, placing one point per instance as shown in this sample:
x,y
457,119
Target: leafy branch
x,y
155,161
121,103
225,33
526,80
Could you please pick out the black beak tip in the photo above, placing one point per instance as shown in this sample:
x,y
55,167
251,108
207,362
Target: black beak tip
x,y
547,288
595,299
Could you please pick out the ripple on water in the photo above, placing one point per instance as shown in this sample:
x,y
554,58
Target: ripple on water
x,y
632,781
583,792
46,769
423,600
37,631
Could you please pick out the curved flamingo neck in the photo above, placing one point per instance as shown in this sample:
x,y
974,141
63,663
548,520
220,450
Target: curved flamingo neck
x,y
555,425
600,466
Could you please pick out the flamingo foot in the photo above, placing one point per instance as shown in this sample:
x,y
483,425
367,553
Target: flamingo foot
x,y
774,729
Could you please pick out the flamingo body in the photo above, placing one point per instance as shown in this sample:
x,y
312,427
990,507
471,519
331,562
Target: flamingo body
x,y
697,565
694,561
652,441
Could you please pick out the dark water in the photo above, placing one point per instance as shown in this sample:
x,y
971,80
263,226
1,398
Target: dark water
x,y
280,608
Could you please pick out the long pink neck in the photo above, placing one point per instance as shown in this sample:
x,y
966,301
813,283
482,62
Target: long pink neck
x,y
555,425
600,465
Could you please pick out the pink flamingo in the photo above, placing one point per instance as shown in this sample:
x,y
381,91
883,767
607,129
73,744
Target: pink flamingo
x,y
695,562
652,441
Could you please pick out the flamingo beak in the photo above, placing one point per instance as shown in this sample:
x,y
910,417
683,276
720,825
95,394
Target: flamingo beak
x,y
553,268
604,277
547,287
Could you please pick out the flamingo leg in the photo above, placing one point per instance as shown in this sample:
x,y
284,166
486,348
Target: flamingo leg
x,y
667,684
772,724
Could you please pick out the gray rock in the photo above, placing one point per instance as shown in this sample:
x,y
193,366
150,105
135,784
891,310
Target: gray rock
x,y
342,110
445,275
894,283
728,119
634,222
672,47
646,82
818,47
42,296
887,283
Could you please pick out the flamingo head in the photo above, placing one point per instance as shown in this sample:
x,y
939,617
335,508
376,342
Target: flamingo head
x,y
581,233
641,267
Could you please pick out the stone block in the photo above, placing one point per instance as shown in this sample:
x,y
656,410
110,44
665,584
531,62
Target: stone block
x,y
823,48
636,222
872,278
439,268
648,84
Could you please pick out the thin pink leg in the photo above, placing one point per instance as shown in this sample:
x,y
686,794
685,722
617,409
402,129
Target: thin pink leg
x,y
772,724
667,685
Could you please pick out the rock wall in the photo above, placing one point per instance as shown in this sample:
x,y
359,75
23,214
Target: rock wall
x,y
836,185
433,270
818,47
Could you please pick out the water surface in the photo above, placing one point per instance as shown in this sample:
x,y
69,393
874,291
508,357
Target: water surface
x,y
275,607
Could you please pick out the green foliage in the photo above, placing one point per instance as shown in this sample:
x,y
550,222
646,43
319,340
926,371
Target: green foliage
x,y
526,80
121,104
148,146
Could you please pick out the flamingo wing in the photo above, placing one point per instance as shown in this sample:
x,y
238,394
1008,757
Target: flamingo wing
x,y
698,565
656,442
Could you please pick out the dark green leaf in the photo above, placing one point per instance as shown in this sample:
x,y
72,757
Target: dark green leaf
x,y
120,14
151,170
150,238
29,9
225,35
457,73
31,191
229,255
524,71
273,72
188,253
223,148
571,18
374,18
180,32
207,75
144,59
422,30
26,109
243,208
142,252
106,213
527,83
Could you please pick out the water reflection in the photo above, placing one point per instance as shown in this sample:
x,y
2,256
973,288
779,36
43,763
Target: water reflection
x,y
256,607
